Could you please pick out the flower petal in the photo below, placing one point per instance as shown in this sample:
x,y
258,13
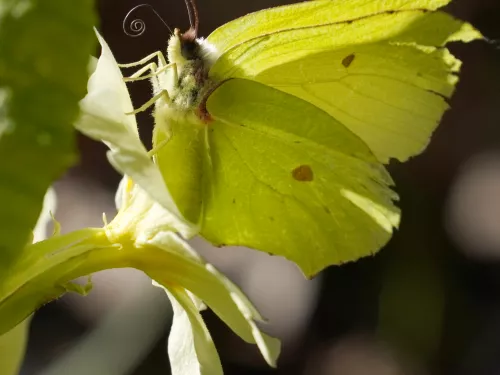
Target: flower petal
x,y
269,347
190,346
139,215
49,206
103,118
187,269
107,92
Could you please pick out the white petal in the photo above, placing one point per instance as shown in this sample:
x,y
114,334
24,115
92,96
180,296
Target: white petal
x,y
143,217
190,346
49,207
197,301
121,196
269,347
107,92
187,269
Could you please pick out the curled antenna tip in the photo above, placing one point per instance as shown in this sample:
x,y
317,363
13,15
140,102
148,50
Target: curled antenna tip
x,y
137,26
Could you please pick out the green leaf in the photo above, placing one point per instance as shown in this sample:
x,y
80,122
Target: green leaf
x,y
43,271
12,348
44,52
13,343
281,176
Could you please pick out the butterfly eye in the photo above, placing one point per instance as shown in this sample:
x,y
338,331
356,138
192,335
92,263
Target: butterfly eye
x,y
189,49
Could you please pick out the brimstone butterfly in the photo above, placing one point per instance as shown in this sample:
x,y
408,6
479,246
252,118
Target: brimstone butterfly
x,y
273,132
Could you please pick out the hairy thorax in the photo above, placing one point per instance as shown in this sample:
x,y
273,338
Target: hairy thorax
x,y
193,85
189,92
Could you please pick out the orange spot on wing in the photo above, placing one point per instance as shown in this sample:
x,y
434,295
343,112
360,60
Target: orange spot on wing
x,y
347,61
303,173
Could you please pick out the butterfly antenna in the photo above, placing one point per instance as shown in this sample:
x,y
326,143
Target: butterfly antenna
x,y
194,21
137,26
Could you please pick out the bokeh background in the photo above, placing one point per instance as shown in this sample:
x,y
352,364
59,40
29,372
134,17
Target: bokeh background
x,y
428,303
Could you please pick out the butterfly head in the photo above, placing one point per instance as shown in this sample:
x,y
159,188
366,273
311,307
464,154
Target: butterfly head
x,y
187,47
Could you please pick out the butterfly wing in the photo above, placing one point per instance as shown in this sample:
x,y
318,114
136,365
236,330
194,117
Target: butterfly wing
x,y
313,98
379,67
309,14
284,177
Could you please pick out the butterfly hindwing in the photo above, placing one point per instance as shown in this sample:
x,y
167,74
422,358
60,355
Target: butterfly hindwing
x,y
284,177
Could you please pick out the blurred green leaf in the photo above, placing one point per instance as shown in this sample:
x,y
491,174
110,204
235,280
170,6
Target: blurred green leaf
x,y
12,347
13,343
44,55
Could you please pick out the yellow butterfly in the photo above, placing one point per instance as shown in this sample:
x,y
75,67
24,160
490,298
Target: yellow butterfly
x,y
273,132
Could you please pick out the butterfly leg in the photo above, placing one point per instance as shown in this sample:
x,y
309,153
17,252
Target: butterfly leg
x,y
163,143
157,148
157,54
163,94
137,76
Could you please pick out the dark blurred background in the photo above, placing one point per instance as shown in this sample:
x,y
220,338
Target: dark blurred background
x,y
428,303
